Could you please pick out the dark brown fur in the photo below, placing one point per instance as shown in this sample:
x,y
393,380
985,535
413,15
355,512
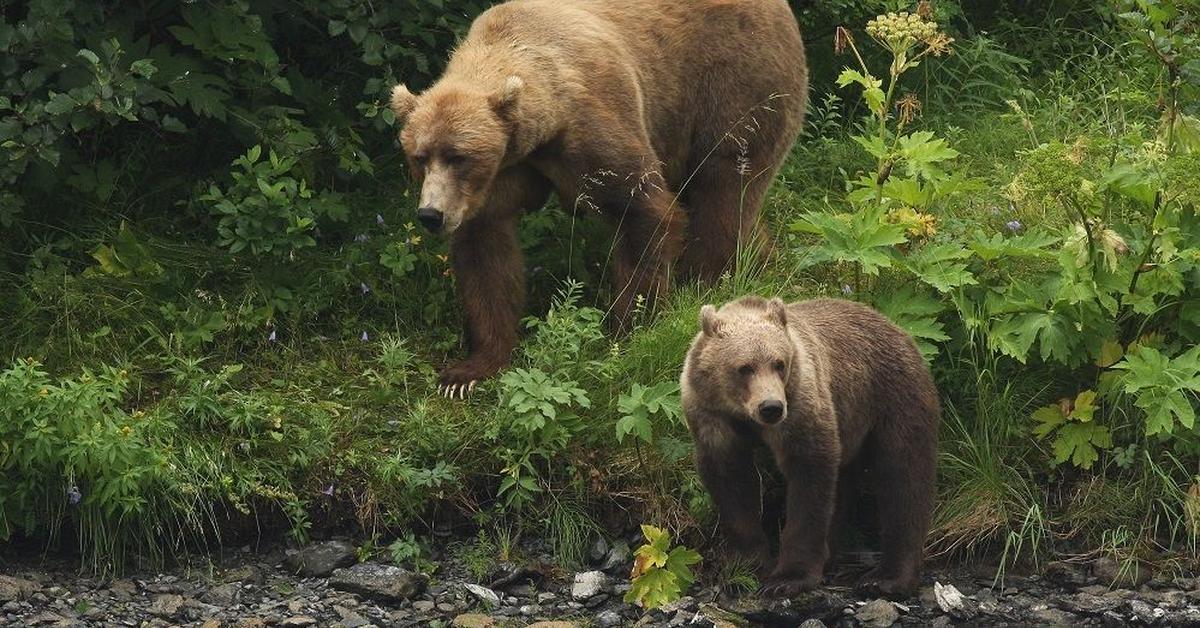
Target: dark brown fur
x,y
856,392
670,117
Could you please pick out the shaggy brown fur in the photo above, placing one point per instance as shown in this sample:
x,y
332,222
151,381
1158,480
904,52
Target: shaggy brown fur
x,y
827,386
636,109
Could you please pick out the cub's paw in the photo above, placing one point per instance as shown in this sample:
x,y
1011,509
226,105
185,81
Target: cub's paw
x,y
788,587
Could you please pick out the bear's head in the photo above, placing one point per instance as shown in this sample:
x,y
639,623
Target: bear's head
x,y
746,357
455,137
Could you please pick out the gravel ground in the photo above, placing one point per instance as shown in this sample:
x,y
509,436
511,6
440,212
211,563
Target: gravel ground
x,y
323,585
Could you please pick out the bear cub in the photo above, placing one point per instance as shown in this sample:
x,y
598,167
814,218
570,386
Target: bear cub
x,y
828,387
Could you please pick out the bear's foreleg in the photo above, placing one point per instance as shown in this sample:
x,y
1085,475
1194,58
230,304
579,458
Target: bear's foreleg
x,y
804,542
490,274
725,461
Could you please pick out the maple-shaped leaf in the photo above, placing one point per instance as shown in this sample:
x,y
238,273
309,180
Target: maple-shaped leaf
x,y
1078,442
653,589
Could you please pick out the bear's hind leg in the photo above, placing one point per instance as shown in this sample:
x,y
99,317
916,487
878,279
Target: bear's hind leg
x,y
724,220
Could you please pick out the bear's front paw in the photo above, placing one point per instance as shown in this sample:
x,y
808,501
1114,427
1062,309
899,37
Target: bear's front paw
x,y
788,587
459,380
898,589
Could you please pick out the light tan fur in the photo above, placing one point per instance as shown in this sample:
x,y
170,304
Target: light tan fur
x,y
668,116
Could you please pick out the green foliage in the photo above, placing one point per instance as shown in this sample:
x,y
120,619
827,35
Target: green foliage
x,y
661,573
641,404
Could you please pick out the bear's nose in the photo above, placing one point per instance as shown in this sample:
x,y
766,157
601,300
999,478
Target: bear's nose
x,y
431,218
771,410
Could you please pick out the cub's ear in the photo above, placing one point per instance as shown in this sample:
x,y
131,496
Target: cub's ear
x,y
504,100
709,321
402,103
777,311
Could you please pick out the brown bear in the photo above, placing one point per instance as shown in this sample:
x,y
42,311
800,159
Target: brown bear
x,y
670,117
828,386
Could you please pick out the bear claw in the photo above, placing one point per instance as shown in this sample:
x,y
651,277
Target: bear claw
x,y
450,391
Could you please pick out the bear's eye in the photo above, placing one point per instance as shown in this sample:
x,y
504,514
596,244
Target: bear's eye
x,y
454,159
746,370
421,159
780,366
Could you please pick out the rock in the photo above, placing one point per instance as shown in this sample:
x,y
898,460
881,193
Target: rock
x,y
588,584
1047,616
941,621
1065,574
948,597
223,595
554,624
248,574
12,589
250,622
485,595
166,605
473,620
529,610
1121,575
1144,613
598,550
298,621
546,597
446,607
722,618
350,619
818,604
617,557
320,559
812,623
211,623
608,619
1086,603
1111,619
46,617
385,583
424,606
878,614
1185,617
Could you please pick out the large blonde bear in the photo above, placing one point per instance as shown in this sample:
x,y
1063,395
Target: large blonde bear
x,y
670,117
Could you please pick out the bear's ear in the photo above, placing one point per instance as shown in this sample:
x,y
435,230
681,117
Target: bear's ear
x,y
777,311
709,321
402,103
504,100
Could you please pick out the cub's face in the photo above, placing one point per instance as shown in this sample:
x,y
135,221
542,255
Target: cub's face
x,y
749,357
454,139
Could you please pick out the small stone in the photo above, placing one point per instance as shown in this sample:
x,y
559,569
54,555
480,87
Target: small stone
x,y
1144,613
1065,574
598,550
423,606
588,584
16,588
446,607
948,597
385,583
350,619
617,557
166,606
941,621
546,597
529,610
485,595
473,620
877,614
250,622
211,623
722,618
320,559
1121,575
554,624
608,619
1046,616
298,621
1087,603
223,595
248,574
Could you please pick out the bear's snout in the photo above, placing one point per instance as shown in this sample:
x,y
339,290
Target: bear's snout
x,y
431,218
770,411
